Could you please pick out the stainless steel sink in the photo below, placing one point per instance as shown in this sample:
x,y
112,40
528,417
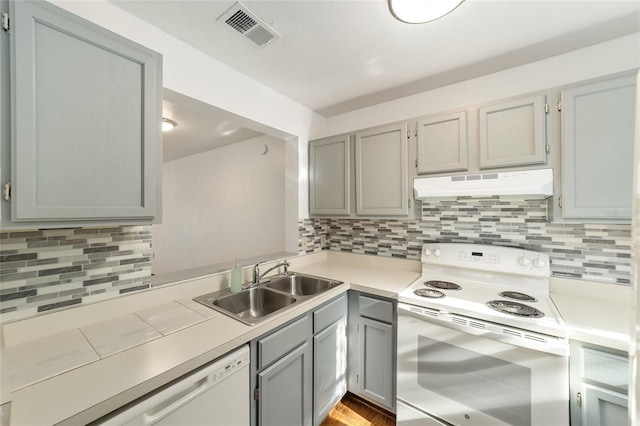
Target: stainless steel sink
x,y
249,306
301,285
261,301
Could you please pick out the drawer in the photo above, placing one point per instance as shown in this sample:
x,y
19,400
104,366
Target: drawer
x,y
330,313
274,346
381,310
606,368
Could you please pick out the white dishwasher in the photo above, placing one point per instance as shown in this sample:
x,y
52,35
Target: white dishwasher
x,y
217,394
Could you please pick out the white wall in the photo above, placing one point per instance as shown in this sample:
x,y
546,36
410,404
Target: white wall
x,y
222,204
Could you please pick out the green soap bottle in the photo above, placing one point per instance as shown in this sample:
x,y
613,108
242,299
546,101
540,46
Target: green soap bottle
x,y
236,278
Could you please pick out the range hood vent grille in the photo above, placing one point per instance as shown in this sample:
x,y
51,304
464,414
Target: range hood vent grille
x,y
249,25
530,184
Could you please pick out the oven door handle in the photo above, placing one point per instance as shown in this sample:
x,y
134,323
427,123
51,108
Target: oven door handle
x,y
489,330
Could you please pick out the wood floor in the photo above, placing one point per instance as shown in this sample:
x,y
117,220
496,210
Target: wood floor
x,y
354,411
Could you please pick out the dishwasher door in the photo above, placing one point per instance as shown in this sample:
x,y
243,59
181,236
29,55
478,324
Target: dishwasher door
x,y
217,394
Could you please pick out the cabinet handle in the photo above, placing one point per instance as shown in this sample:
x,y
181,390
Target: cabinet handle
x,y
579,399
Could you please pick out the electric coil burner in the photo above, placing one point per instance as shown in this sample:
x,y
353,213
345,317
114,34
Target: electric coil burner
x,y
442,285
427,292
516,295
515,308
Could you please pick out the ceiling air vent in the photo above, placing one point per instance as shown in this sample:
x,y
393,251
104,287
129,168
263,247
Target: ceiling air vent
x,y
249,24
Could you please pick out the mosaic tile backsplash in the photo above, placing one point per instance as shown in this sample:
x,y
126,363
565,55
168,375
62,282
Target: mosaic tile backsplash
x,y
596,252
48,269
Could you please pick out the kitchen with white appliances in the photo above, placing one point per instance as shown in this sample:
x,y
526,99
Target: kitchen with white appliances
x,y
401,211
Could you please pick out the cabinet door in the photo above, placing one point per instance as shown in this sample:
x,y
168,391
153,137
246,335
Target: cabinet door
x,y
442,143
381,171
86,119
597,149
330,369
375,368
329,176
602,407
513,133
285,390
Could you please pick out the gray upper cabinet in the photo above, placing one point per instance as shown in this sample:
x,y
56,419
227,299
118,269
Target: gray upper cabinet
x,y
381,157
512,133
85,133
597,149
329,176
442,143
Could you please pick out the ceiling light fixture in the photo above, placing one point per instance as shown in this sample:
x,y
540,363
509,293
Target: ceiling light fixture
x,y
421,11
168,125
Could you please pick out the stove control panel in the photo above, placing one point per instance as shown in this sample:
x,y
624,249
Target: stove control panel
x,y
487,257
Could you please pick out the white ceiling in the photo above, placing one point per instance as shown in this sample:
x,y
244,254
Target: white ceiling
x,y
340,55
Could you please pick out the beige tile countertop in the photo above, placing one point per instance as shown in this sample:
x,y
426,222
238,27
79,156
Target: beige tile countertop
x,y
95,373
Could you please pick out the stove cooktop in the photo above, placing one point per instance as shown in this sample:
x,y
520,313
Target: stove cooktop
x,y
469,277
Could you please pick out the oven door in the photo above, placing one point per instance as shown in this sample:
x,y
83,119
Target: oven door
x,y
464,376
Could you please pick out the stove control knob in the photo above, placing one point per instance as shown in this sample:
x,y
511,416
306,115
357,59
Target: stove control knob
x,y
524,261
427,252
437,252
538,263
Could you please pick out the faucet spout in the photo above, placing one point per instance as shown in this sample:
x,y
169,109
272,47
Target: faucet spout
x,y
257,276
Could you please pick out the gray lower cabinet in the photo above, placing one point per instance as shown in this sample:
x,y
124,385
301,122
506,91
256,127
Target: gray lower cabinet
x,y
598,122
513,133
285,390
599,381
372,329
329,357
85,142
299,370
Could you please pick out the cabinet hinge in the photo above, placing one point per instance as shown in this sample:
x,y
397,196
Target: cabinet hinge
x,y
256,394
546,108
560,201
6,191
5,21
559,105
579,399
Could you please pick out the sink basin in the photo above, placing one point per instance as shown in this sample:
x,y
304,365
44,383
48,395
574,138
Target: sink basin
x,y
248,306
301,285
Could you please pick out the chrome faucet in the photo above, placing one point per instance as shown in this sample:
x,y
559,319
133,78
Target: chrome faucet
x,y
257,276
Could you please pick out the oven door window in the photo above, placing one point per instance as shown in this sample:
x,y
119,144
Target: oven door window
x,y
481,382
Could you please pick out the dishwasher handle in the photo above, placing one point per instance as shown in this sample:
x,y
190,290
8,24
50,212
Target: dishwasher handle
x,y
176,401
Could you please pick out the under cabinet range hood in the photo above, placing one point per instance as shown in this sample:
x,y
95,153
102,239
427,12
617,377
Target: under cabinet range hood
x,y
528,184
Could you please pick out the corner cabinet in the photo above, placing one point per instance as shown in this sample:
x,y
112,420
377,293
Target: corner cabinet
x,y
363,174
513,133
330,176
599,381
85,141
372,363
382,180
598,122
